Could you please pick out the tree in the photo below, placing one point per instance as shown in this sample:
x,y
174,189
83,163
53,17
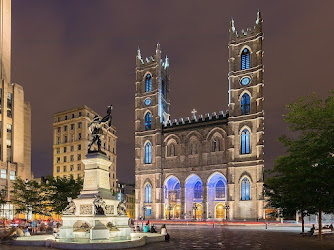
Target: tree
x,y
61,188
302,179
27,197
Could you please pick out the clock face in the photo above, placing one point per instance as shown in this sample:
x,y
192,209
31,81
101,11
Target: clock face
x,y
148,102
245,81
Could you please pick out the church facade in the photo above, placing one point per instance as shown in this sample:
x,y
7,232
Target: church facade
x,y
202,167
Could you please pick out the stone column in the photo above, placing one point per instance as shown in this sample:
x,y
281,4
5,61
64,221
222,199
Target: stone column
x,y
205,200
183,198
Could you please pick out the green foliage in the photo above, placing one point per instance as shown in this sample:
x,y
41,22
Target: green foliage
x,y
303,179
3,196
60,189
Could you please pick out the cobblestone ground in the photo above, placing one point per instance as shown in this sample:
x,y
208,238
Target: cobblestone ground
x,y
230,237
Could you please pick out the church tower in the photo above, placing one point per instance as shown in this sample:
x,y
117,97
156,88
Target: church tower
x,y
246,121
151,112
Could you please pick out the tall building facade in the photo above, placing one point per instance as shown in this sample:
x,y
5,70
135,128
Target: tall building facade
x,y
15,117
203,167
70,143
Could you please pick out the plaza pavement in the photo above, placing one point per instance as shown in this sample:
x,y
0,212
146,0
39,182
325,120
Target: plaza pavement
x,y
231,237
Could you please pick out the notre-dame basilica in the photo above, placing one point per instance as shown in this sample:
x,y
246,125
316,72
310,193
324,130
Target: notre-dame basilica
x,y
205,166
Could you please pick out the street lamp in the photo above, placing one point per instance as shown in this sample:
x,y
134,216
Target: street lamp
x,y
169,209
144,211
227,207
195,208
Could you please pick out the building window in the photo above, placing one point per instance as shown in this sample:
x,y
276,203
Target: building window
x,y
0,101
245,59
58,169
79,136
245,142
79,167
58,129
245,104
9,104
72,126
87,114
64,169
148,121
148,153
72,138
65,128
177,188
79,124
79,114
65,158
72,116
58,150
12,175
148,83
79,175
198,190
72,148
79,157
65,149
245,189
79,146
9,142
215,145
193,148
65,117
172,150
58,140
58,119
58,160
72,157
71,168
220,190
65,139
148,193
3,173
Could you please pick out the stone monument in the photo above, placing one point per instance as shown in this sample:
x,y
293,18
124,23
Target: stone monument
x,y
96,214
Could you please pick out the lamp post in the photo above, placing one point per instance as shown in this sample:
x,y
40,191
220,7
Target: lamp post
x,y
144,211
169,209
227,207
195,208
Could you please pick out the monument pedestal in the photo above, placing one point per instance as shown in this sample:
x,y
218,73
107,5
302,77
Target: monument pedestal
x,y
93,215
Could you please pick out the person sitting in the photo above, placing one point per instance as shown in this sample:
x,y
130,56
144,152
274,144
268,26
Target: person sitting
x,y
163,231
152,230
146,228
311,232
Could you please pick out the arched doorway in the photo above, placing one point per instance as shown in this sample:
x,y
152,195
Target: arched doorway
x,y
177,212
199,211
220,211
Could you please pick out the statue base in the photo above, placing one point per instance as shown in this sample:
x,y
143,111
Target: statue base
x,y
94,215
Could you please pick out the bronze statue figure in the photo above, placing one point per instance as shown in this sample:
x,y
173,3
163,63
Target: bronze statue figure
x,y
95,128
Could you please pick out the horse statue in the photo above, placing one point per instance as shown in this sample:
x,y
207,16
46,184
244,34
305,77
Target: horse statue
x,y
95,128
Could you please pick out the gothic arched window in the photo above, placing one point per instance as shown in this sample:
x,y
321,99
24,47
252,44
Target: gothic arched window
x,y
220,189
245,142
245,104
198,190
172,150
148,121
177,188
245,59
193,148
245,189
148,153
148,193
215,145
148,83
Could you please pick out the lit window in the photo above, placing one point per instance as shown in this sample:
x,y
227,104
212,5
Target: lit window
x,y
12,175
245,142
220,190
245,189
245,104
148,153
3,173
9,105
198,190
79,167
148,121
245,59
148,83
148,191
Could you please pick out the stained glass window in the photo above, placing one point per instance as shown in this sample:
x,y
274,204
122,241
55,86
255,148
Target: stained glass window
x,y
220,189
245,59
245,104
245,189
148,195
148,121
198,190
245,142
148,153
148,83
178,190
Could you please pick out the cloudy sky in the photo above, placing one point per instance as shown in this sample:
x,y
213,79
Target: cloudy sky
x,y
67,53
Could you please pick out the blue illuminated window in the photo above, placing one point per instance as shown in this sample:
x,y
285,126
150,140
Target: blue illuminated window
x,y
245,104
148,121
148,153
220,190
198,190
245,189
245,59
245,142
148,193
178,190
148,83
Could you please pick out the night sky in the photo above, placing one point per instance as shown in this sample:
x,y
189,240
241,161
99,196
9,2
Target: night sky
x,y
67,53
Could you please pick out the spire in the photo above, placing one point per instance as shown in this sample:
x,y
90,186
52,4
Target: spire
x,y
158,47
166,62
138,53
259,17
232,25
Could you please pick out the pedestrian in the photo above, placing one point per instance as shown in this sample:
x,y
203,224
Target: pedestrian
x,y
163,231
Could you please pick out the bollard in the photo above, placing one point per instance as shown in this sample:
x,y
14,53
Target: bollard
x,y
266,225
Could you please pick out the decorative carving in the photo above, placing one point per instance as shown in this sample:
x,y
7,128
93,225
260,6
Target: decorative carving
x,y
86,209
109,209
95,128
121,207
70,209
99,205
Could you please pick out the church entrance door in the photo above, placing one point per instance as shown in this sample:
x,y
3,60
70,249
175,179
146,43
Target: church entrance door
x,y
220,211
